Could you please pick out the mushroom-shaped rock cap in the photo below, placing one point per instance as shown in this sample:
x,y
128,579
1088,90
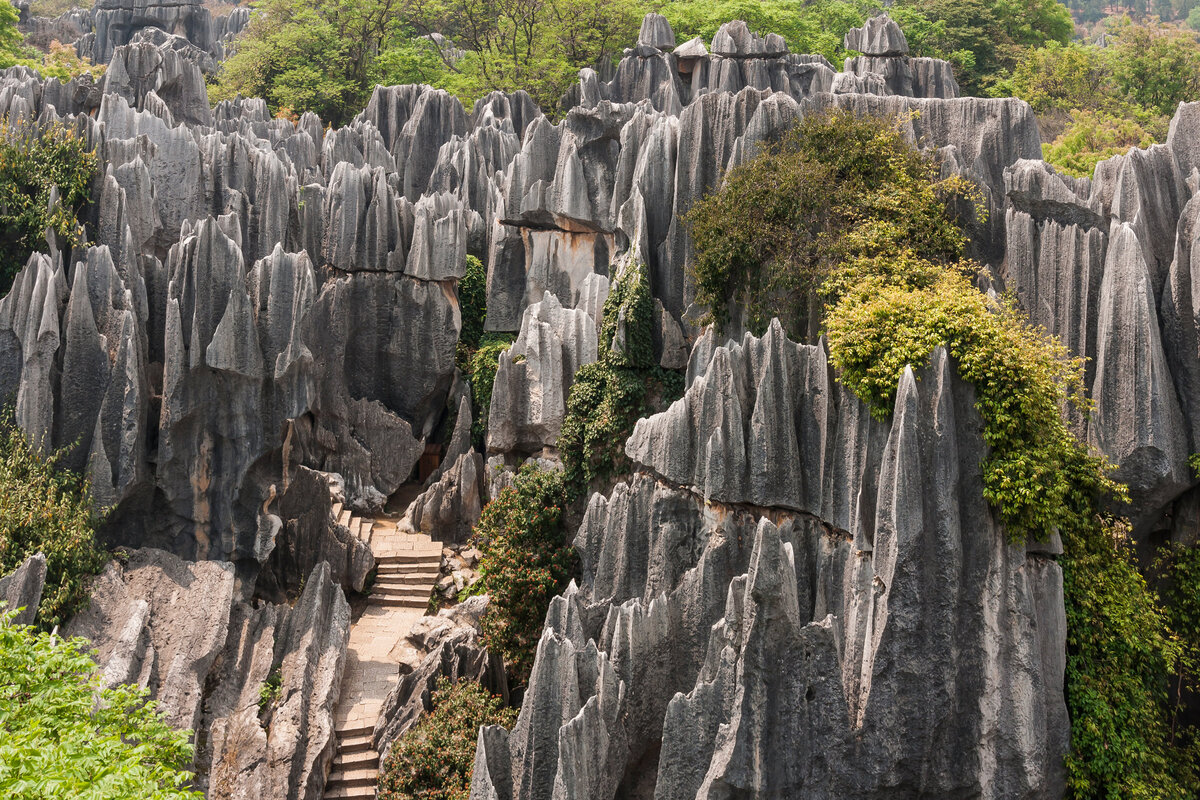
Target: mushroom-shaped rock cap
x,y
692,48
879,36
656,32
735,40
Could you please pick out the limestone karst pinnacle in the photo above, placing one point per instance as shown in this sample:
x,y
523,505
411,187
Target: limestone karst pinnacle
x,y
787,598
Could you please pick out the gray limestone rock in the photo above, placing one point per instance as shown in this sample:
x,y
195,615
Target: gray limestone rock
x,y
789,644
159,621
21,589
534,376
879,36
284,750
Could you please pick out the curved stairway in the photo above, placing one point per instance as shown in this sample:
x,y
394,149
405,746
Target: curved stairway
x,y
407,569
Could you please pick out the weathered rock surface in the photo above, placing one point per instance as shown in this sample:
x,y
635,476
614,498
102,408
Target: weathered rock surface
x,y
160,622
21,589
264,300
284,750
831,646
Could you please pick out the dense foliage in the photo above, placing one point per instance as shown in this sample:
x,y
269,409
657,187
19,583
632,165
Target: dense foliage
x,y
838,193
1095,101
434,760
328,57
610,395
34,160
47,510
525,561
889,299
1120,655
483,364
61,61
63,736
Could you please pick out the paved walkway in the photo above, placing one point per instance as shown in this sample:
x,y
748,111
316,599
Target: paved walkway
x,y
406,573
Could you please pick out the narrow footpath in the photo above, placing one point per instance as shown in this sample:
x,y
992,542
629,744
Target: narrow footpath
x,y
407,568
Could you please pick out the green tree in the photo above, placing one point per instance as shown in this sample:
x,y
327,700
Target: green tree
x,y
1092,137
435,759
837,187
1155,66
47,510
303,55
63,736
33,161
1060,77
536,45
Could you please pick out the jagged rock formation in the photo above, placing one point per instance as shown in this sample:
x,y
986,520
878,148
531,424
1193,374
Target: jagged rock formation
x,y
97,32
789,601
21,589
265,301
160,622
284,749
529,397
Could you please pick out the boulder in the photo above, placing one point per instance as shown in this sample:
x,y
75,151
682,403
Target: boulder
x,y
21,589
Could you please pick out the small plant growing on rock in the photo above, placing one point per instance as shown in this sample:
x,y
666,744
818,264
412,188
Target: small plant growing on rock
x,y
268,693
434,760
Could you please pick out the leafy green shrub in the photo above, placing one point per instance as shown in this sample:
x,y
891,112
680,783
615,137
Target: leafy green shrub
x,y
63,736
33,160
1119,655
482,374
609,396
1092,137
524,562
434,760
1036,475
472,304
47,510
837,188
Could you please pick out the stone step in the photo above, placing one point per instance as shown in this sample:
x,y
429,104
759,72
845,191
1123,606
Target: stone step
x,y
403,602
354,777
362,759
410,557
350,793
350,738
337,508
355,526
393,568
406,581
417,592
365,530
344,517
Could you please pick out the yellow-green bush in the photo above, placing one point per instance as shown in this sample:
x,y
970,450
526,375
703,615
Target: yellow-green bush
x,y
434,760
47,510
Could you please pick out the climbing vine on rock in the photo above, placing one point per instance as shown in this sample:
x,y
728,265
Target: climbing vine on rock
x,y
610,395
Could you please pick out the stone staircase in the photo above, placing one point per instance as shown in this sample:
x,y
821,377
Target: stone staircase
x,y
407,568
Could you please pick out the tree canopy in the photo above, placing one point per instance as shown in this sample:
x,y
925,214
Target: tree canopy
x,y
65,736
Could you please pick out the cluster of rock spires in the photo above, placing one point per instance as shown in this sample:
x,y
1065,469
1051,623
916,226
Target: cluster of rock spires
x,y
787,599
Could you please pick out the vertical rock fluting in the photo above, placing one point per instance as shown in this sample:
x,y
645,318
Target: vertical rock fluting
x,y
738,633
262,300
